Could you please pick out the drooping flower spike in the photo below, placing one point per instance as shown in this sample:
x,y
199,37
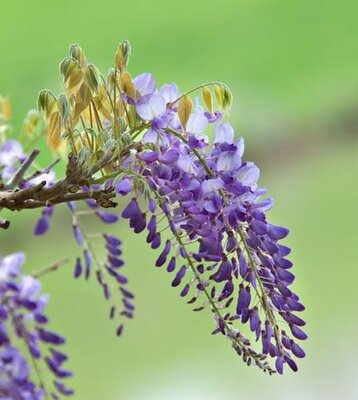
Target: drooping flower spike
x,y
231,258
196,198
22,314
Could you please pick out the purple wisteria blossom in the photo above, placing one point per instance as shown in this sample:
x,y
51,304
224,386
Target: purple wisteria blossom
x,y
177,170
229,252
22,316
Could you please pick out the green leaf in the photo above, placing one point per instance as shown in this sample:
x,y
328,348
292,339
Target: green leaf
x,y
185,107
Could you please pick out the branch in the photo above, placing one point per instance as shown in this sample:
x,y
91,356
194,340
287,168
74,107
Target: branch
x,y
17,178
53,267
41,172
38,196
63,191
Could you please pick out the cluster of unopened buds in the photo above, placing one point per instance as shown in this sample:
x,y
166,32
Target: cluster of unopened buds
x,y
196,199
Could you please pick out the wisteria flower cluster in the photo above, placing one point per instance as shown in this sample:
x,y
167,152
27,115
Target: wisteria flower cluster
x,y
196,200
23,317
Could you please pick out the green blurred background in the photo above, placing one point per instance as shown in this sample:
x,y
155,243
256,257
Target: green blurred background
x,y
292,66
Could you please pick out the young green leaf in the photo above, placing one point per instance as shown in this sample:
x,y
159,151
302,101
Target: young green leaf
x,y
122,55
78,54
47,103
208,98
53,131
127,85
219,95
185,107
72,75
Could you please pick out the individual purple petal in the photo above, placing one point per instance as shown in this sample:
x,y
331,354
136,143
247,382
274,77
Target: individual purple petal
x,y
197,123
163,255
63,389
277,232
156,241
148,156
119,330
279,365
34,349
227,290
59,356
11,152
145,83
42,225
55,368
213,117
151,106
151,136
243,266
171,264
187,163
115,262
297,350
169,157
88,263
29,288
170,92
50,337
185,290
112,240
114,251
298,333
258,227
293,319
107,217
126,293
124,187
224,133
212,185
132,210
77,233
248,174
179,276
72,206
152,205
242,300
196,141
254,319
224,271
228,161
283,250
291,364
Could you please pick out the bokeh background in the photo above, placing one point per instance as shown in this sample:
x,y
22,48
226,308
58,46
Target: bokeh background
x,y
292,66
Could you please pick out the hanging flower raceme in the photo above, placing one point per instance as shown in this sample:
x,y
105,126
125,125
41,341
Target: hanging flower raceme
x,y
23,318
195,199
223,252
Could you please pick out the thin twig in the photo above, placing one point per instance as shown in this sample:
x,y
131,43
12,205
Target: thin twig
x,y
18,176
17,201
52,267
41,172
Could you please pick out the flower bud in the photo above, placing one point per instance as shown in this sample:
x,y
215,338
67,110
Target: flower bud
x,y
208,98
78,54
122,55
184,109
127,85
92,77
72,75
64,108
47,103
